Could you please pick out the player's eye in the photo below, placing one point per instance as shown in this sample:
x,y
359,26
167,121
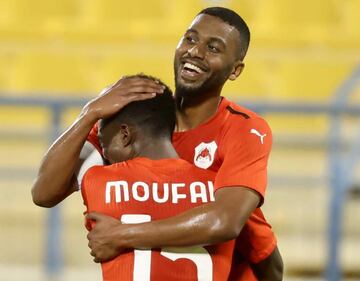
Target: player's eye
x,y
213,49
190,39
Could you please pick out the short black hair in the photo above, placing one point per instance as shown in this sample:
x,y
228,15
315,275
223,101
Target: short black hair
x,y
155,116
233,19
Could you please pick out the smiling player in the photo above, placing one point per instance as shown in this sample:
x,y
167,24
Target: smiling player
x,y
214,134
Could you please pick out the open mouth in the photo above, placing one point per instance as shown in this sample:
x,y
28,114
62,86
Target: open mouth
x,y
191,71
192,68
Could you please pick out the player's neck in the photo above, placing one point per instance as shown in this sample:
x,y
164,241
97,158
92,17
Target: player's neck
x,y
190,115
157,149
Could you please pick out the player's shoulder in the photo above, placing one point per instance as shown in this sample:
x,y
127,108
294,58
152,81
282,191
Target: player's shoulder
x,y
241,117
95,171
196,172
237,111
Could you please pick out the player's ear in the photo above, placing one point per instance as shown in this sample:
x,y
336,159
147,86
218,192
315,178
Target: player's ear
x,y
237,69
126,135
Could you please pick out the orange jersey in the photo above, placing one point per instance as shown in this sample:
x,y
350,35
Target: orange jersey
x,y
141,190
235,143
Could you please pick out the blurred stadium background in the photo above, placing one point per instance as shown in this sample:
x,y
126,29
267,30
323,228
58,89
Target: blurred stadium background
x,y
299,73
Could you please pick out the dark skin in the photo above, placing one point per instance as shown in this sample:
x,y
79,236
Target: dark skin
x,y
125,141
211,45
213,223
55,180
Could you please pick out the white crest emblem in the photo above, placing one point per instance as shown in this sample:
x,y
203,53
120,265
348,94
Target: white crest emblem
x,y
205,154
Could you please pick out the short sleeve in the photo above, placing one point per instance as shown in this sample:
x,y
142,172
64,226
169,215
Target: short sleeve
x,y
259,238
93,137
245,151
91,157
84,185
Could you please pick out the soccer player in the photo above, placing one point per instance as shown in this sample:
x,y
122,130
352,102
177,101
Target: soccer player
x,y
214,134
147,181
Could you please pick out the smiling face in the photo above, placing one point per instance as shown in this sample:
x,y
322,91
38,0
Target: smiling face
x,y
206,56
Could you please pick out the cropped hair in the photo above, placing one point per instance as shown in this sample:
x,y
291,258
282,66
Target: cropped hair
x,y
155,116
233,19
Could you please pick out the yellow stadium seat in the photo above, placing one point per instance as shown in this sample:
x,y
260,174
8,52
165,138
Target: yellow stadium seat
x,y
160,20
35,19
348,34
252,83
308,79
294,22
247,9
82,45
305,78
7,61
55,72
135,61
125,20
6,13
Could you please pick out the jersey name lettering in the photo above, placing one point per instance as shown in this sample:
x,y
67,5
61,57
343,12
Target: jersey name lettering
x,y
121,191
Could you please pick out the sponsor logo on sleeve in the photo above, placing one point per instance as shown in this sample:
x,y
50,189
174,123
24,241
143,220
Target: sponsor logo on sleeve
x,y
256,132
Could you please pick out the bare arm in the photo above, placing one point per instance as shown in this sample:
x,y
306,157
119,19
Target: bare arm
x,y
271,268
207,224
56,176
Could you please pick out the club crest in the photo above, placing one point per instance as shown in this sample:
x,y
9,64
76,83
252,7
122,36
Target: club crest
x,y
205,154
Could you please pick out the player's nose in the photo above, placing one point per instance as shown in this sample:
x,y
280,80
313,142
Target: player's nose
x,y
196,51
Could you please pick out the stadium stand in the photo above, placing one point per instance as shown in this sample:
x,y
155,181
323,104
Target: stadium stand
x,y
301,51
41,35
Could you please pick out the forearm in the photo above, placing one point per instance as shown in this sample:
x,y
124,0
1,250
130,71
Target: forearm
x,y
207,224
199,226
271,268
56,178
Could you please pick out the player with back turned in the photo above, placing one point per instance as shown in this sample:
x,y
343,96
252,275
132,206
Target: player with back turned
x,y
147,181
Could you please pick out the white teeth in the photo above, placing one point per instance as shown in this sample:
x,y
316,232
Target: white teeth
x,y
192,67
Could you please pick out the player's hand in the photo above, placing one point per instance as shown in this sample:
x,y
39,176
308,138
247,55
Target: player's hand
x,y
117,96
103,237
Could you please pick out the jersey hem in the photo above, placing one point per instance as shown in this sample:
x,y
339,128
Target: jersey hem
x,y
263,254
243,186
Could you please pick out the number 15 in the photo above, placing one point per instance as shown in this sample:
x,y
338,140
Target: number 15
x,y
142,258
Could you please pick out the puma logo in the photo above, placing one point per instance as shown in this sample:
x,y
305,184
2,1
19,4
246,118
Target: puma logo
x,y
256,132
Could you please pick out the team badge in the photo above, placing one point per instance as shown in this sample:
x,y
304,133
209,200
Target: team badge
x,y
205,154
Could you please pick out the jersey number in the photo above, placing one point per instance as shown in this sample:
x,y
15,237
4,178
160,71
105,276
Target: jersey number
x,y
142,258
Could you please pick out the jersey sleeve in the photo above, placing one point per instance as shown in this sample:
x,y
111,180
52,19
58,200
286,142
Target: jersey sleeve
x,y
261,240
86,180
93,137
245,150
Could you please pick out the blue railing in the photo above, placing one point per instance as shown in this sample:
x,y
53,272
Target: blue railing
x,y
341,172
341,169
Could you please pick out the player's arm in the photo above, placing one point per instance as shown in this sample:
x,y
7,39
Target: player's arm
x,y
207,224
244,163
271,268
55,180
56,176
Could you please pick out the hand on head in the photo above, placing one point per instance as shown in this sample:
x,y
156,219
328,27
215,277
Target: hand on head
x,y
117,96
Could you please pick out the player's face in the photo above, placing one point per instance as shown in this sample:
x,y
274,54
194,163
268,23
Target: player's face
x,y
206,55
113,144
